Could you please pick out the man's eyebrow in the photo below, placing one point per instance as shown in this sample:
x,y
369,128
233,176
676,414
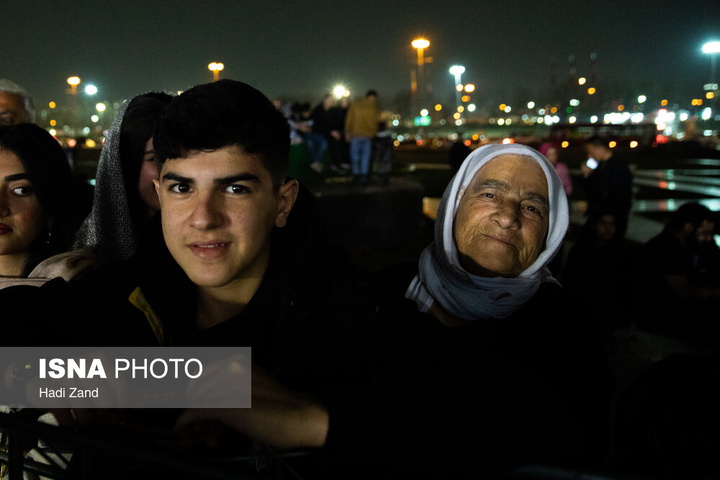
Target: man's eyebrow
x,y
177,178
241,177
17,176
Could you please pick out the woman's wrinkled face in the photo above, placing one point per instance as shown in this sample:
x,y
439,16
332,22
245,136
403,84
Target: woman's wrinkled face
x,y
503,217
22,219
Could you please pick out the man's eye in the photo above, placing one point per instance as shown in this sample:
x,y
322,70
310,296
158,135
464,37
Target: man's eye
x,y
23,191
237,189
180,188
487,195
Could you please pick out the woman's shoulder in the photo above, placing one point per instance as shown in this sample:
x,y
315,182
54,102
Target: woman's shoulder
x,y
67,265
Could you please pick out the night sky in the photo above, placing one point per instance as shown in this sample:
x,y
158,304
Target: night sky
x,y
302,48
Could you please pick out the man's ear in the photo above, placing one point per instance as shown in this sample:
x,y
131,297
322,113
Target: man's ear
x,y
287,195
156,182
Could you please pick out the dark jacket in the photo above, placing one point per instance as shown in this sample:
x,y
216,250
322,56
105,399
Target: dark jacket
x,y
475,400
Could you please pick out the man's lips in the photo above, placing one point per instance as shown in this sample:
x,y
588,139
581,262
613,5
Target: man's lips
x,y
211,249
4,229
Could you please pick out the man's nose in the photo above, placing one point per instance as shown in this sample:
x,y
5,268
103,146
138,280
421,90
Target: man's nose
x,y
207,212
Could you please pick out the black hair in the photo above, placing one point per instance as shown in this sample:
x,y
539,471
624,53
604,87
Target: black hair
x,y
137,128
371,93
54,185
598,141
220,114
692,212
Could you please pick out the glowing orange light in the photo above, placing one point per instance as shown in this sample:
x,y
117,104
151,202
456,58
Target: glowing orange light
x,y
71,143
508,141
591,91
664,103
633,144
612,144
565,144
710,95
621,108
52,105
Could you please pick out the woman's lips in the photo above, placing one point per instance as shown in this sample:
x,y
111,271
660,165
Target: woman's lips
x,y
4,229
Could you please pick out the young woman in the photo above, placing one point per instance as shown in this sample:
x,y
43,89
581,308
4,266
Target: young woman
x,y
125,197
37,199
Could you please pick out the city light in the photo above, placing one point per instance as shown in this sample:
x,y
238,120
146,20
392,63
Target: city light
x,y
642,99
417,86
582,80
91,89
215,68
73,82
100,107
712,48
457,71
340,91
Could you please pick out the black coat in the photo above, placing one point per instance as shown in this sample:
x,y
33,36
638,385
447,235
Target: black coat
x,y
478,399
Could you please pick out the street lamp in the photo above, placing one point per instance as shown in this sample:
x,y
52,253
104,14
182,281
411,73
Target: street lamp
x,y
457,71
420,44
73,82
215,68
712,49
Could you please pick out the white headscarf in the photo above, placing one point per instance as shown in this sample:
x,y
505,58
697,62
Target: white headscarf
x,y
470,297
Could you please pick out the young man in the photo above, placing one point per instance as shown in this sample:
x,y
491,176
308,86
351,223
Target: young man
x,y
238,257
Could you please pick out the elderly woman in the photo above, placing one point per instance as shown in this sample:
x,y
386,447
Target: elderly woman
x,y
483,365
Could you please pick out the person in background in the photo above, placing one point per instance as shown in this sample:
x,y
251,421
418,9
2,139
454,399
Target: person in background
x,y
124,198
458,153
16,104
608,182
598,271
678,283
316,139
337,144
37,201
361,126
552,152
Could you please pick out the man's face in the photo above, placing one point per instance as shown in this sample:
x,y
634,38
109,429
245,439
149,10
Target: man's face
x,y
705,232
502,219
12,109
218,210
